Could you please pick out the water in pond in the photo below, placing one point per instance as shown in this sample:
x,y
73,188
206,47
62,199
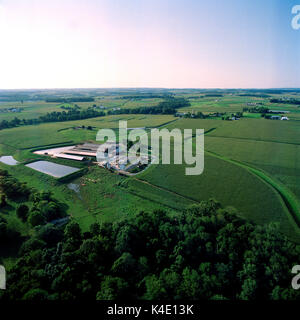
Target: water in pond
x,y
76,188
9,160
52,169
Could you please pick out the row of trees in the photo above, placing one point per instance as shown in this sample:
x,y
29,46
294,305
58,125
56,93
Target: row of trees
x,y
70,107
72,114
69,100
147,96
169,106
289,101
205,252
200,115
256,110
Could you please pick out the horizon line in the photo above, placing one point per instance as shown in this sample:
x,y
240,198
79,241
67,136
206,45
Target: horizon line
x,y
161,88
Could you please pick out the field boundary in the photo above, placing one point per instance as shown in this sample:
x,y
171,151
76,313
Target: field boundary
x,y
256,140
167,190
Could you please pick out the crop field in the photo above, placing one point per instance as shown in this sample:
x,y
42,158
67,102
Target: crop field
x,y
278,159
230,184
260,130
234,150
256,129
134,103
220,104
30,109
60,132
34,109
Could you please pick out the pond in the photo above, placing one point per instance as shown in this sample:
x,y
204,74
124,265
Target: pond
x,y
8,160
52,169
76,188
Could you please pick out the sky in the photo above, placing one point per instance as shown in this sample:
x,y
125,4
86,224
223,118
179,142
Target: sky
x,y
148,43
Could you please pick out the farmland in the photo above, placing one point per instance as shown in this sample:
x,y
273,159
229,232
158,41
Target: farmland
x,y
50,133
234,150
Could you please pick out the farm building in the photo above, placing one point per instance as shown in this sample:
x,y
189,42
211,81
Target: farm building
x,y
113,156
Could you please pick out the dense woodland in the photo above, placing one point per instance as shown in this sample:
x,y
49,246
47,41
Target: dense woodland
x,y
204,252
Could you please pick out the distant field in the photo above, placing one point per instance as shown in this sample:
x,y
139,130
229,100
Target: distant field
x,y
49,133
235,103
251,129
35,109
31,110
261,130
136,103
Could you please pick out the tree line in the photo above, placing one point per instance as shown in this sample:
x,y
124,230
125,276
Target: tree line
x,y
169,106
69,100
256,110
289,101
54,116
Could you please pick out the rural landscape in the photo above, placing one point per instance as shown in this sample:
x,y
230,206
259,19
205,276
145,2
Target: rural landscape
x,y
149,158
186,235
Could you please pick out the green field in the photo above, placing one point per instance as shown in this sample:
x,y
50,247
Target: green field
x,y
251,164
231,185
278,159
59,132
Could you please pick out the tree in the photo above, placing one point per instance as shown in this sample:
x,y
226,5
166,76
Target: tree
x,y
124,265
248,289
36,295
22,212
112,288
3,201
72,231
154,288
36,218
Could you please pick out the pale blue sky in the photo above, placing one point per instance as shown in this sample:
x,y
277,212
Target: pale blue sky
x,y
148,43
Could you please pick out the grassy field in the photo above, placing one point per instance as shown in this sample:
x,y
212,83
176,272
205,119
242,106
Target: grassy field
x,y
59,132
102,196
235,150
35,109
